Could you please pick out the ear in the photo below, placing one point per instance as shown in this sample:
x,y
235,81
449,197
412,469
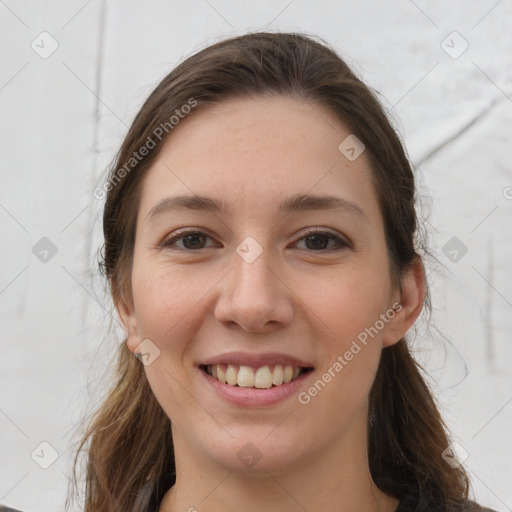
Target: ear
x,y
129,322
409,304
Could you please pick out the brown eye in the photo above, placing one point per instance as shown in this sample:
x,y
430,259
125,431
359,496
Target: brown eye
x,y
189,241
194,241
317,242
322,241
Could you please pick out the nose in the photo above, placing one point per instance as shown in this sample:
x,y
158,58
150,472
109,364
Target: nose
x,y
254,297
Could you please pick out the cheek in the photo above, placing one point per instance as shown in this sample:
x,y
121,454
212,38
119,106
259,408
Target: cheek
x,y
350,306
164,297
347,302
167,302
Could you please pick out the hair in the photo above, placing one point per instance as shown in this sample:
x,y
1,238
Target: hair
x,y
128,443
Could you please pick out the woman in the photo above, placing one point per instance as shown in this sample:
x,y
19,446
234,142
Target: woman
x,y
260,245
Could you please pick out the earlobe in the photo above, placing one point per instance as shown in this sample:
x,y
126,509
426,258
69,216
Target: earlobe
x,y
412,298
129,323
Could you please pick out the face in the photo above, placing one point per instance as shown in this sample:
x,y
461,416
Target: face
x,y
259,279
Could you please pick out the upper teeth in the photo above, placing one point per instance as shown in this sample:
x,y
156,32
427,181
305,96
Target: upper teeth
x,y
248,377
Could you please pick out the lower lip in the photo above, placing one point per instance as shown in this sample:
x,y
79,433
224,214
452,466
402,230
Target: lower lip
x,y
253,396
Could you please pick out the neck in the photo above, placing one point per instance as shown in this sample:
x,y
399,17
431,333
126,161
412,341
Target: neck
x,y
337,480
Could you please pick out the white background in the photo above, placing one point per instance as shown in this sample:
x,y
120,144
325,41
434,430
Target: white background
x,y
63,117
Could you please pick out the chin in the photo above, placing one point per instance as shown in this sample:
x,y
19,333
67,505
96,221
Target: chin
x,y
255,450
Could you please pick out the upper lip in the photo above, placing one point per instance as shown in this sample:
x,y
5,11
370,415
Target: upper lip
x,y
257,360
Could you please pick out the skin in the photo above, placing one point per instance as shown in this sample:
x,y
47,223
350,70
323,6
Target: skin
x,y
196,303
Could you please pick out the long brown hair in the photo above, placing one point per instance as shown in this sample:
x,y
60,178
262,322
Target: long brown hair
x,y
128,444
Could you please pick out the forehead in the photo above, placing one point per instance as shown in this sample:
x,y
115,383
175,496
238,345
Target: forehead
x,y
255,152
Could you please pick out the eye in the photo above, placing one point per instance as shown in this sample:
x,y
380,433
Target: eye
x,y
318,240
187,241
315,240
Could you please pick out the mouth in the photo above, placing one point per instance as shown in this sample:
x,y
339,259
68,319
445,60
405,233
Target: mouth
x,y
259,377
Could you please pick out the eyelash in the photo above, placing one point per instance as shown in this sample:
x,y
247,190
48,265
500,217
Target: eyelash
x,y
170,243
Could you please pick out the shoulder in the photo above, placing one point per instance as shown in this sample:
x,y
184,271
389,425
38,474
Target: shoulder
x,y
467,506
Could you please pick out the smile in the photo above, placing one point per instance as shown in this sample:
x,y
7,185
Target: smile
x,y
262,377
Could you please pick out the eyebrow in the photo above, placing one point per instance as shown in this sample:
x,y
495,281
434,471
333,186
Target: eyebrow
x,y
295,203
